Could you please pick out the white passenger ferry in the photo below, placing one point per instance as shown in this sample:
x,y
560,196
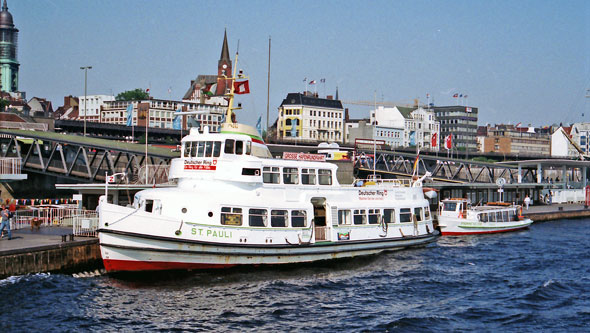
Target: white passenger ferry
x,y
458,217
233,204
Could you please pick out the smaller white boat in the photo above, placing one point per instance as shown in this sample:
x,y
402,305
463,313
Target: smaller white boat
x,y
458,217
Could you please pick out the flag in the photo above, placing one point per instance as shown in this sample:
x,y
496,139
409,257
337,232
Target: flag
x,y
305,80
222,120
169,90
259,125
323,80
517,125
312,82
130,114
434,141
177,122
412,138
416,163
210,89
465,96
449,142
461,95
147,90
427,95
455,95
241,87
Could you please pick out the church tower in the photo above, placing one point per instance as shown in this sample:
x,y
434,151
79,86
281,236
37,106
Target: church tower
x,y
8,45
224,68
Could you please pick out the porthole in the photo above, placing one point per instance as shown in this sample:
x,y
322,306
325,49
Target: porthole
x,y
184,210
210,214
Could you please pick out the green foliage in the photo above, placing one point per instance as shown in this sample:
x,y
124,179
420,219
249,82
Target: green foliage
x,y
483,159
133,95
3,104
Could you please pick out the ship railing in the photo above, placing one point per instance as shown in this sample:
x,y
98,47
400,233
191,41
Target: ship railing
x,y
83,222
382,182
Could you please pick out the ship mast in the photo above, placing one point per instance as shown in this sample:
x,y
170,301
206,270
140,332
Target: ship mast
x,y
231,94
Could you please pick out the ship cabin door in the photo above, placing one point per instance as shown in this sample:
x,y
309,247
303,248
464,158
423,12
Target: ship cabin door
x,y
319,218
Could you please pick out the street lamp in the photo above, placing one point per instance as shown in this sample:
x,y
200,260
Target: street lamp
x,y
85,68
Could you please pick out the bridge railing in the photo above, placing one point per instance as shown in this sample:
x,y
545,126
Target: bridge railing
x,y
10,166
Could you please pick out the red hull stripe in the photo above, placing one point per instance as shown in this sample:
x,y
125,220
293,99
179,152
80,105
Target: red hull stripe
x,y
451,233
112,265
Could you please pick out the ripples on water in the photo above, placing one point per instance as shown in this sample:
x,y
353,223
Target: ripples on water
x,y
537,279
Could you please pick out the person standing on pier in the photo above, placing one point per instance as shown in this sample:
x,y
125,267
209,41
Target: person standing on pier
x,y
527,201
5,222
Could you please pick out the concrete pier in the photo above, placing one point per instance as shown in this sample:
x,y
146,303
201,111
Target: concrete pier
x,y
539,213
49,249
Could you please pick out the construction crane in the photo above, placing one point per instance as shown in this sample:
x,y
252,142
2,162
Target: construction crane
x,y
385,104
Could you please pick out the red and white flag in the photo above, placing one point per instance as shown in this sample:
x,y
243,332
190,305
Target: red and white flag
x,y
241,87
111,179
434,140
312,82
449,142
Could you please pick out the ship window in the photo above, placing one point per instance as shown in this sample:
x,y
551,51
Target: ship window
x,y
290,176
149,205
483,217
389,215
231,216
208,148
201,149
239,147
405,215
505,217
426,213
491,217
187,149
271,175
194,149
216,148
248,147
229,146
308,176
250,172
278,218
450,206
360,216
418,213
374,216
325,177
344,217
257,217
298,218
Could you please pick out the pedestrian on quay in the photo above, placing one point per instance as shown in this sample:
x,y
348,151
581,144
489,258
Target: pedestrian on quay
x,y
527,201
5,222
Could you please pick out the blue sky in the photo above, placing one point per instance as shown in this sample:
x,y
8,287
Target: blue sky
x,y
518,61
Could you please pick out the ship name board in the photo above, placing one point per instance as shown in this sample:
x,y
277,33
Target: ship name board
x,y
200,165
304,157
372,194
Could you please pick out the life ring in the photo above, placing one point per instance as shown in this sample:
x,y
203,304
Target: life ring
x,y
461,215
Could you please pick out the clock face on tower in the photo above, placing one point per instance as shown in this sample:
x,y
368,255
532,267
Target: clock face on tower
x,y
224,66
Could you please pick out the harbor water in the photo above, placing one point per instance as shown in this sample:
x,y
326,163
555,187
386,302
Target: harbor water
x,y
535,279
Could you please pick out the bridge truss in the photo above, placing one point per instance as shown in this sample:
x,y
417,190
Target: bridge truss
x,y
392,163
83,159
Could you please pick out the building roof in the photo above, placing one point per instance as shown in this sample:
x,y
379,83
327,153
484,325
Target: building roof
x,y
199,82
225,49
6,18
405,111
300,99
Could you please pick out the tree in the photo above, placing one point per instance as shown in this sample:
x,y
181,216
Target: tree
x,y
132,95
3,104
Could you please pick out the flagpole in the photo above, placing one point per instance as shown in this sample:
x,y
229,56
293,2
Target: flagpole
x,y
375,140
268,91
